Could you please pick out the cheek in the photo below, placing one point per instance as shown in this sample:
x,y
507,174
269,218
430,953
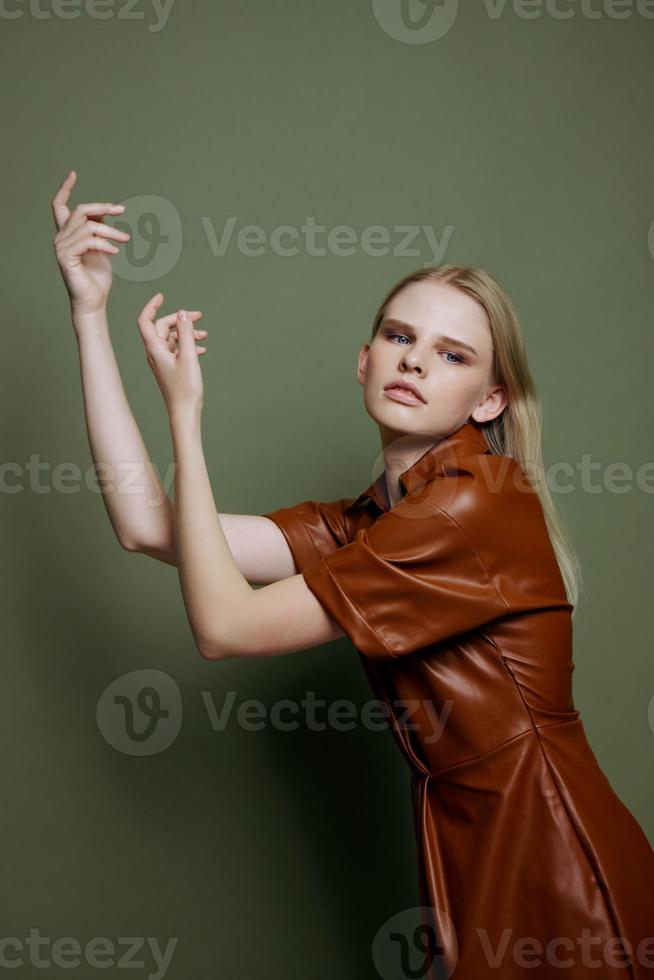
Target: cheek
x,y
376,365
458,386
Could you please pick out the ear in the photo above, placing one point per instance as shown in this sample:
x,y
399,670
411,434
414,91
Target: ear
x,y
362,362
493,405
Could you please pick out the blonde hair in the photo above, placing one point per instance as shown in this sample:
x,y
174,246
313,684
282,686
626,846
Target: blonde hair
x,y
516,431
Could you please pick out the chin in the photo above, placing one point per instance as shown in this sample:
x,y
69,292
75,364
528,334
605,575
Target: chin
x,y
381,411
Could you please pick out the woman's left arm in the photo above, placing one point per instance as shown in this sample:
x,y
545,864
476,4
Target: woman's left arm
x,y
228,617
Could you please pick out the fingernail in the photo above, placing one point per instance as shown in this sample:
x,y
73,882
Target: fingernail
x,y
183,315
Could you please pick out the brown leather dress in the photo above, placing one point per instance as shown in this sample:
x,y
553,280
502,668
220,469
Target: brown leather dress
x,y
454,599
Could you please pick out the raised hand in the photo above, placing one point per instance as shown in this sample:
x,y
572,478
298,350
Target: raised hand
x,y
172,355
83,248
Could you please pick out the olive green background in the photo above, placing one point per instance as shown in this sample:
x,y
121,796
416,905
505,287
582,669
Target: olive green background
x,y
281,853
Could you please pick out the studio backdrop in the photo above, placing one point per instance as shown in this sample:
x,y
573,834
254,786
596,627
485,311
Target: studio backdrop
x,y
282,166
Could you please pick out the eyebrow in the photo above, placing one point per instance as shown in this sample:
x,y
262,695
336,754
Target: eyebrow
x,y
400,324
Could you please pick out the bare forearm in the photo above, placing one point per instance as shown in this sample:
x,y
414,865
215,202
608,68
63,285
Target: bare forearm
x,y
214,590
138,506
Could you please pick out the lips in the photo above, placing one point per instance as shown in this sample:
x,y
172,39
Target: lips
x,y
406,388
402,395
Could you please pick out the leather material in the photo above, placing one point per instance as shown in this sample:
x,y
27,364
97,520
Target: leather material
x,y
455,602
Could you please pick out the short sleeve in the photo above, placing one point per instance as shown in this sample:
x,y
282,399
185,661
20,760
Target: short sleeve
x,y
405,583
312,528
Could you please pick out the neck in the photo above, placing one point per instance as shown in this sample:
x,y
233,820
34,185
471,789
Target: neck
x,y
401,452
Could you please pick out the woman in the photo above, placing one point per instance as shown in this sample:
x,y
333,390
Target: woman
x,y
453,577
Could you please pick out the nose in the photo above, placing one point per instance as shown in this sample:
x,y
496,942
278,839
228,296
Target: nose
x,y
412,361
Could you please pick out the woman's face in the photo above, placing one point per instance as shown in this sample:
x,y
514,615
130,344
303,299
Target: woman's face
x,y
437,338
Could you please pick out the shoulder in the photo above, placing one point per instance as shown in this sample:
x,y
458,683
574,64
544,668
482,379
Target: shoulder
x,y
472,489
496,506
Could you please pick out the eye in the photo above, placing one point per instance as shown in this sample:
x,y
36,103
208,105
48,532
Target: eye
x,y
458,359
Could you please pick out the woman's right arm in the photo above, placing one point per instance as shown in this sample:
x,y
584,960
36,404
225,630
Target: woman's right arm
x,y
142,513
140,510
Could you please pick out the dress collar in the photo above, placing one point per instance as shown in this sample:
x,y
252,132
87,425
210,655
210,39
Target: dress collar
x,y
467,440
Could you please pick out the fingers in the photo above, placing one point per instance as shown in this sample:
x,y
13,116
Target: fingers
x,y
59,210
185,335
108,231
197,333
167,328
172,340
73,249
97,228
145,320
64,216
199,350
78,233
170,321
81,212
93,242
166,324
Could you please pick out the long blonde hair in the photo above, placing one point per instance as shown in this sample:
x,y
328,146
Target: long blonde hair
x,y
516,431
